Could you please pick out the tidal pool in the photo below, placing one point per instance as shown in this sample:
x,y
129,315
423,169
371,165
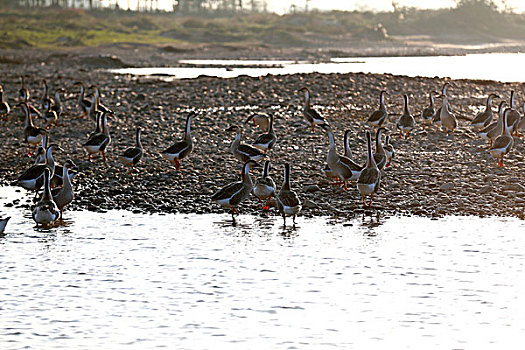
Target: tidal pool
x,y
135,281
486,66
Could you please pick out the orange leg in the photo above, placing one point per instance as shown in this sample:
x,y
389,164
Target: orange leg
x,y
364,201
371,197
267,205
177,164
130,170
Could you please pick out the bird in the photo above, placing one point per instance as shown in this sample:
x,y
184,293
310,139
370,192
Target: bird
x,y
370,177
265,142
46,211
98,142
521,124
389,151
46,102
503,143
380,154
3,224
261,120
23,93
288,202
4,106
234,193
343,167
32,178
23,96
348,153
493,130
312,116
183,148
32,135
132,156
57,102
83,104
50,116
485,117
264,187
514,116
378,117
437,115
406,122
446,117
100,107
242,151
64,195
427,115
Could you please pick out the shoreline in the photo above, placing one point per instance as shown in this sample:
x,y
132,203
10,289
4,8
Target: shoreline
x,y
432,175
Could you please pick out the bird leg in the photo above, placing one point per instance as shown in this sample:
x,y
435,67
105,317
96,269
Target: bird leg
x,y
177,164
267,206
371,197
344,185
313,127
104,156
234,211
364,201
130,170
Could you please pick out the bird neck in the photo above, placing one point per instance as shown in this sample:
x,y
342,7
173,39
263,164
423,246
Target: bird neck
x,y
245,175
512,105
29,120
65,177
379,145
47,191
505,130
382,101
431,97
105,128
139,144
306,99
187,132
370,162
488,106
406,109
50,161
286,180
45,94
57,99
266,169
81,94
1,96
348,150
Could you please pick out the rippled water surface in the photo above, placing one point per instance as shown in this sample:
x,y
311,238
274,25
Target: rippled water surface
x,y
489,66
123,280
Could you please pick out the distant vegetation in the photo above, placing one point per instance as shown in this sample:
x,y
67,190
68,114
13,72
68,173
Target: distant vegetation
x,y
59,26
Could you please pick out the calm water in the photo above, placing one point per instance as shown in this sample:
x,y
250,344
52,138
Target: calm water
x,y
494,66
120,280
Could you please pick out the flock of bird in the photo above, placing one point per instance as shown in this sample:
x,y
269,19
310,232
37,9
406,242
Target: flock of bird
x,y
342,168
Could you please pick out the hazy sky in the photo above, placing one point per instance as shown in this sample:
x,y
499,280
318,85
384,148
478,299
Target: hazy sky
x,y
283,6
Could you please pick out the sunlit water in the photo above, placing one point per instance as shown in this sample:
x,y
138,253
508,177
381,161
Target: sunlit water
x,y
123,280
492,66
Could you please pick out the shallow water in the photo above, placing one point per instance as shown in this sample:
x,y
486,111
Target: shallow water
x,y
123,280
490,66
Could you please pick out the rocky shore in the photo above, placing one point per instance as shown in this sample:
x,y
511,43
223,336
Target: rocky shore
x,y
432,174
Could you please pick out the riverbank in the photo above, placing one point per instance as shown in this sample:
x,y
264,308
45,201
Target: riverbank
x,y
431,175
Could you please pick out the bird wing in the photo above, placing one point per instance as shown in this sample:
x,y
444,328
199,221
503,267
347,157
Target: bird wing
x,y
132,152
289,198
249,151
377,115
229,191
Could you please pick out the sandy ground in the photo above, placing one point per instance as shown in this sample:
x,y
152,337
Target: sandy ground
x,y
432,174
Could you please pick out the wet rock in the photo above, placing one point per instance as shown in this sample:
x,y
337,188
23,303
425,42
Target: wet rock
x,y
309,204
447,186
312,189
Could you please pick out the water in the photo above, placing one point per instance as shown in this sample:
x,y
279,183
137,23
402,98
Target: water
x,y
123,280
492,66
